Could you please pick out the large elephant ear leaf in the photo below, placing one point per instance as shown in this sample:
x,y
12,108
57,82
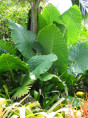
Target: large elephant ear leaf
x,y
72,19
25,40
51,13
41,63
53,41
78,55
10,62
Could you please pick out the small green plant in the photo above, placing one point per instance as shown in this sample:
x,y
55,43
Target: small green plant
x,y
28,110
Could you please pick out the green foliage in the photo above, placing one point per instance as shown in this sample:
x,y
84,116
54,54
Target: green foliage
x,y
74,101
21,91
41,64
41,22
38,62
48,59
64,106
78,55
72,19
62,27
15,10
23,88
3,51
53,35
53,41
50,13
9,62
25,40
28,110
48,96
55,80
47,56
83,35
8,47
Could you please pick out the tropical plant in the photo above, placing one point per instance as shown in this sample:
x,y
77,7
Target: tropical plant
x,y
47,55
54,36
57,43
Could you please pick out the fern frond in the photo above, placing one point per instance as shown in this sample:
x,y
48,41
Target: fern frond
x,y
21,91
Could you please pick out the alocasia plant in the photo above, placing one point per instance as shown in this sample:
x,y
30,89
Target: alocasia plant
x,y
55,35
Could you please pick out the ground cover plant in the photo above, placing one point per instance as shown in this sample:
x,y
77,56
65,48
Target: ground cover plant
x,y
49,67
69,109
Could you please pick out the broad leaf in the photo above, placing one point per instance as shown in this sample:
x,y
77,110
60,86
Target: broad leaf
x,y
78,55
55,79
52,41
72,19
41,22
51,13
9,62
41,64
7,46
25,40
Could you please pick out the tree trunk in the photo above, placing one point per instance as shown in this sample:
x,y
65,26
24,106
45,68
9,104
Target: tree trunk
x,y
33,18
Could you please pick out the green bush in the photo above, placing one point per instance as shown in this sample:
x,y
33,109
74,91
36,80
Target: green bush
x,y
15,10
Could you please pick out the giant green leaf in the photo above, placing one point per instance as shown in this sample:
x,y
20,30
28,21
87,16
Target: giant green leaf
x,y
9,62
78,55
25,40
51,13
72,19
41,63
52,41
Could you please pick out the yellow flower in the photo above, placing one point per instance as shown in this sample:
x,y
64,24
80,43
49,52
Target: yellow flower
x,y
80,94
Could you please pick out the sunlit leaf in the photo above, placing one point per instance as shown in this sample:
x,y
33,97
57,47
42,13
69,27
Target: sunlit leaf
x,y
9,62
51,14
72,19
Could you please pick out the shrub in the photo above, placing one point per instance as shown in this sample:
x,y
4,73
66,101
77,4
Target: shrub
x,y
15,10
